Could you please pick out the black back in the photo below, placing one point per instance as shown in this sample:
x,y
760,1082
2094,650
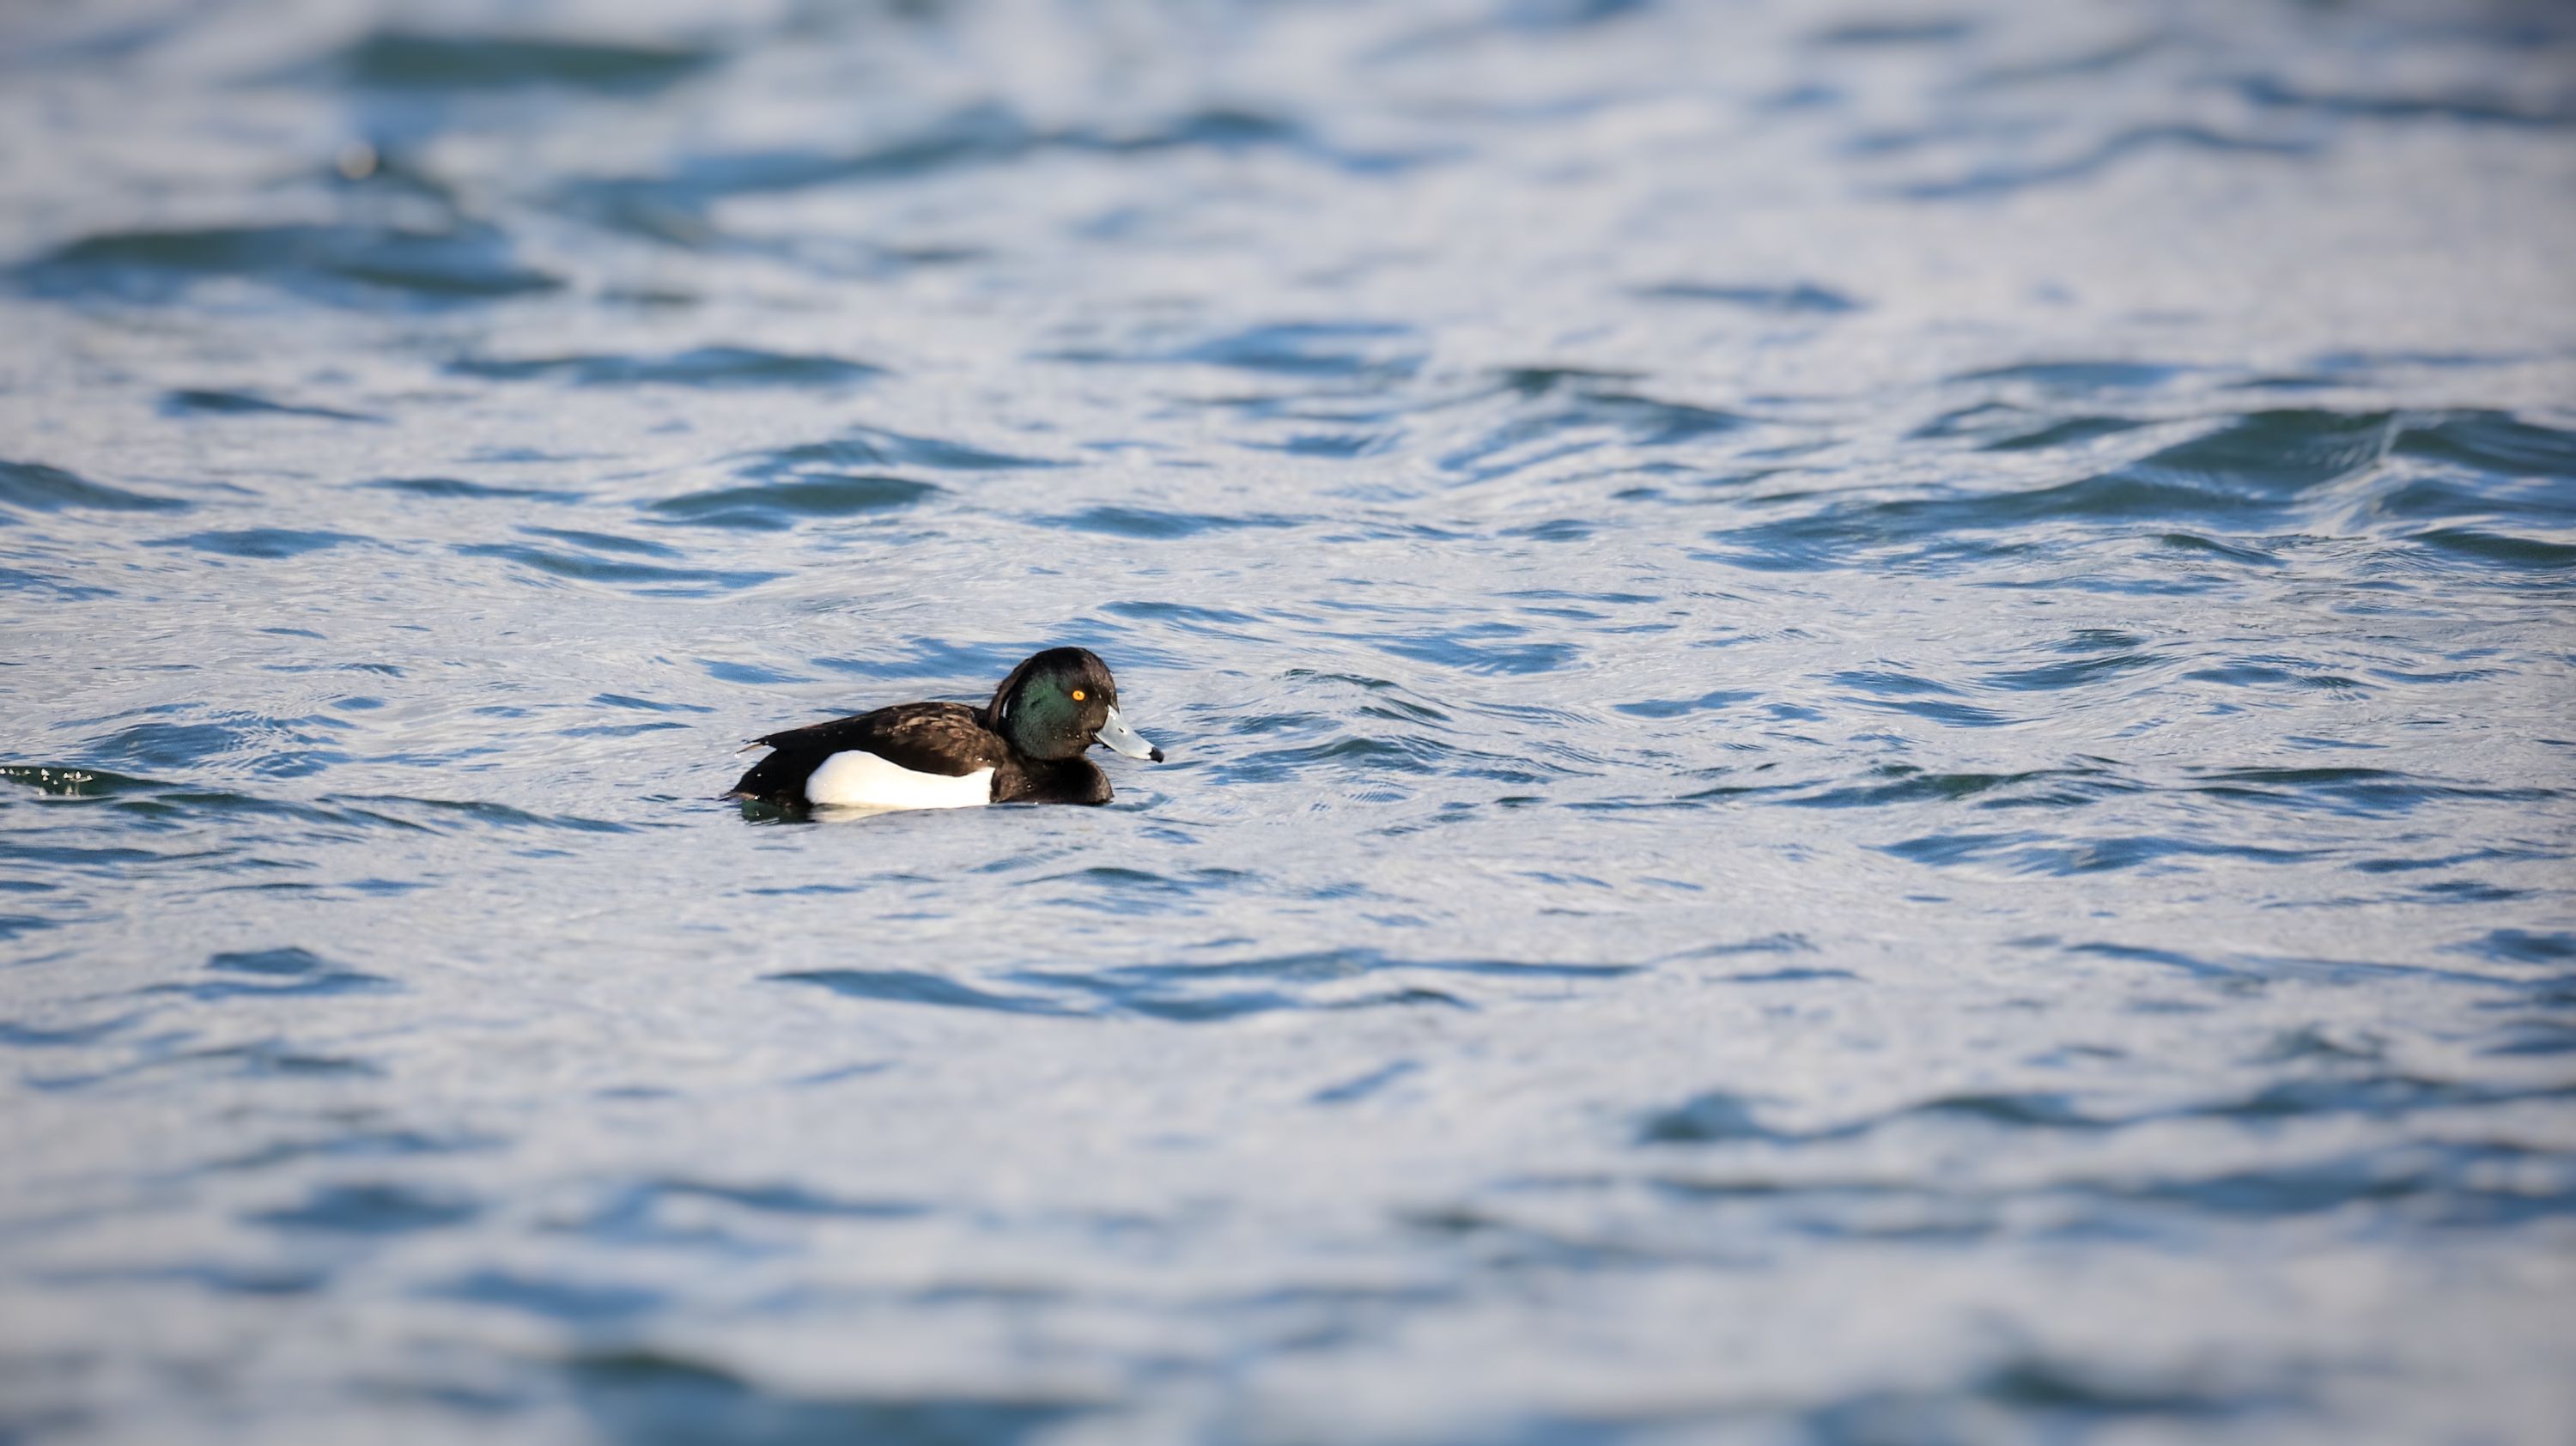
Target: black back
x,y
949,739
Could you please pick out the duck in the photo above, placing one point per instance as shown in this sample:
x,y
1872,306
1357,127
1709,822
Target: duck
x,y
1025,746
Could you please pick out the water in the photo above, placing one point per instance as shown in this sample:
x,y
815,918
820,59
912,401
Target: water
x,y
1870,722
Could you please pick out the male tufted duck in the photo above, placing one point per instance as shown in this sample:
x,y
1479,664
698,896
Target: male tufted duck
x,y
1025,746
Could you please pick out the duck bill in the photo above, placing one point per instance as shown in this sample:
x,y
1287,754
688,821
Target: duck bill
x,y
1123,739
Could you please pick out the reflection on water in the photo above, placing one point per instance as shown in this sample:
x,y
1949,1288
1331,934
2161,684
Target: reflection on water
x,y
1868,716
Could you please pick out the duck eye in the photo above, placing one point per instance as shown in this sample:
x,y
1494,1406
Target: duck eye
x,y
1077,695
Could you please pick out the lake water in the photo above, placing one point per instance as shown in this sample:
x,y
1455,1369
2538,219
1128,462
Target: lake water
x,y
1870,713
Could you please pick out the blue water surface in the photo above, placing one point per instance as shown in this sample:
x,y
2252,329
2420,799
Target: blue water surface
x,y
1871,716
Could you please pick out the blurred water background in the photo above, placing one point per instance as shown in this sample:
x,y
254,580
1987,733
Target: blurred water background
x,y
1870,714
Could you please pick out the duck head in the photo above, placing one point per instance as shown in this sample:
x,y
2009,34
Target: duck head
x,y
1059,703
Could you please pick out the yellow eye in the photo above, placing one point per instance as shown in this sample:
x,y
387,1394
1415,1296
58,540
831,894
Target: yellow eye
x,y
1077,695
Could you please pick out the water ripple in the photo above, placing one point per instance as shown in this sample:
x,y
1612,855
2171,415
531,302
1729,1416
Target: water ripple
x,y
342,264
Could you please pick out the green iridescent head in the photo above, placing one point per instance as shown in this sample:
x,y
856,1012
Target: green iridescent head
x,y
1059,703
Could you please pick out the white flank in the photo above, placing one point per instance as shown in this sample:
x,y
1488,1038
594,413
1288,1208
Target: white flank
x,y
864,780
